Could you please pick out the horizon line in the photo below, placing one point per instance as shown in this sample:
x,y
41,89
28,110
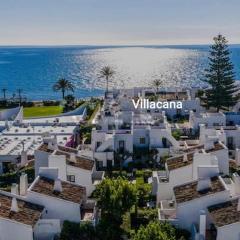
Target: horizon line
x,y
109,45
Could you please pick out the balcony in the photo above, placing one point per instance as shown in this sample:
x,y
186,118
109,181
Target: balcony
x,y
167,211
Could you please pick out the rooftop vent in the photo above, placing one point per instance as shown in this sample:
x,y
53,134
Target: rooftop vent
x,y
185,158
57,185
72,158
203,184
14,189
14,206
238,206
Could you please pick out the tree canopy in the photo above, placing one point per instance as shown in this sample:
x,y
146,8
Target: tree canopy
x,y
220,76
63,85
115,197
106,72
155,231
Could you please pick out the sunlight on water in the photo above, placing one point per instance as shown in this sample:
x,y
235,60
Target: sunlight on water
x,y
139,66
35,70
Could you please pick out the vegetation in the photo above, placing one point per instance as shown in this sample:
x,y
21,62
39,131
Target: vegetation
x,y
106,72
69,104
42,111
7,179
176,134
122,216
51,103
63,85
155,231
4,90
85,133
76,231
220,76
157,84
115,197
92,111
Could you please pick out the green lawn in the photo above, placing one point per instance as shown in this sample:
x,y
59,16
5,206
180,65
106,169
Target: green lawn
x,y
42,111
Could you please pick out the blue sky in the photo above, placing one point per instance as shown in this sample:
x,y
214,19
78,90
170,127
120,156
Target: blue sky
x,y
102,22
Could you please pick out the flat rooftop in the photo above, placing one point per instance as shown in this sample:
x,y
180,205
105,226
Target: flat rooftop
x,y
178,162
225,213
13,144
70,192
169,96
68,120
38,130
188,191
28,213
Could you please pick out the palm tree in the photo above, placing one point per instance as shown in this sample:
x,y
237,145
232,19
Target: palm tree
x,y
106,72
4,93
63,85
157,84
19,95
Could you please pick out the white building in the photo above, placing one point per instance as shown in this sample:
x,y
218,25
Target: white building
x,y
209,119
121,128
225,220
191,198
20,219
73,166
182,169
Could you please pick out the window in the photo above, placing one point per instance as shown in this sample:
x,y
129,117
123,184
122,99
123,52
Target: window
x,y
121,145
99,164
98,144
142,140
71,178
109,164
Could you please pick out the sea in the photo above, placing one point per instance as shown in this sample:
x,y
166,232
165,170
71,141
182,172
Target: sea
x,y
34,70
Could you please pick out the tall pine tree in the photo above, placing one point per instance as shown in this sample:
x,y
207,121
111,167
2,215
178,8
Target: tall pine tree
x,y
220,76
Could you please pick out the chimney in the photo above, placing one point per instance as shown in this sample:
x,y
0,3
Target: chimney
x,y
57,185
23,184
185,158
24,159
237,156
236,180
238,206
52,145
14,189
209,144
203,184
72,157
14,206
202,224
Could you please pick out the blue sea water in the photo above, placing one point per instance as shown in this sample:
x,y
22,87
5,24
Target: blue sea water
x,y
36,69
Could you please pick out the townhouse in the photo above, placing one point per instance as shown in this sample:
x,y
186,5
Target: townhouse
x,y
72,164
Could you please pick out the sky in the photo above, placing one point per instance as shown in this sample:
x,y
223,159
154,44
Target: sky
x,y
117,22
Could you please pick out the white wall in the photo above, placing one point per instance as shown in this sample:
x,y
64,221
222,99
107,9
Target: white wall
x,y
176,177
82,177
229,232
223,160
41,160
59,161
189,212
47,229
56,208
10,230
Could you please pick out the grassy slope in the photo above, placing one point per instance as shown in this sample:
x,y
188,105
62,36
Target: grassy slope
x,y
42,111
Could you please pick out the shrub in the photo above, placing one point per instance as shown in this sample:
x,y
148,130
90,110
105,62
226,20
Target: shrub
x,y
51,103
176,134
